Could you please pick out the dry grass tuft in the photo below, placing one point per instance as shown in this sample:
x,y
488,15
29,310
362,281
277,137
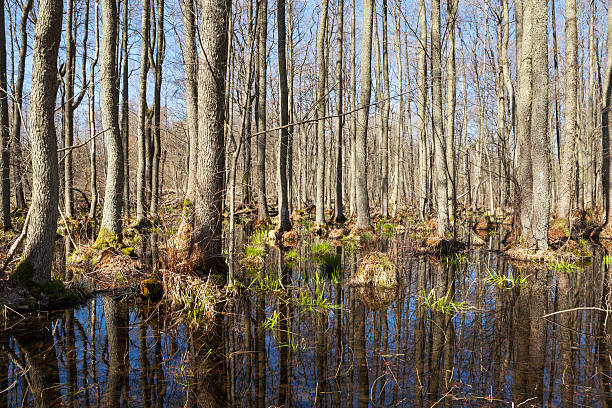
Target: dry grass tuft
x,y
376,269
196,299
437,245
115,270
569,253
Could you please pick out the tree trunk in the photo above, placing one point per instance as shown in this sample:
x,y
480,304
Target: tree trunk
x,y
523,130
93,177
606,120
125,113
321,104
400,114
5,182
352,104
110,228
438,130
191,92
142,113
339,210
211,152
566,181
384,180
422,110
363,205
540,151
18,177
68,112
260,110
157,64
37,256
451,101
283,200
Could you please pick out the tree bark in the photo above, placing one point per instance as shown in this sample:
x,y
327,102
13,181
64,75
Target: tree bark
x,y
191,91
40,241
110,228
438,130
142,113
384,180
339,207
352,103
451,102
540,151
125,112
283,200
606,120
156,64
422,110
363,205
68,112
321,104
93,178
211,107
260,110
5,156
18,177
566,180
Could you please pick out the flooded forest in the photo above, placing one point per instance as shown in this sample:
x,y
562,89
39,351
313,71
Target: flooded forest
x,y
305,203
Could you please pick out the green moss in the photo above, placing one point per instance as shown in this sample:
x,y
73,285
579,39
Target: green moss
x,y
151,289
107,239
129,251
55,288
561,224
24,272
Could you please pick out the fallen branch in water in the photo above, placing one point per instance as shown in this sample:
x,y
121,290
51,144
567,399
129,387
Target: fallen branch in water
x,y
576,309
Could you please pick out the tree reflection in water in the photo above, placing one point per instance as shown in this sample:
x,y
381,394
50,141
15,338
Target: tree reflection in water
x,y
373,349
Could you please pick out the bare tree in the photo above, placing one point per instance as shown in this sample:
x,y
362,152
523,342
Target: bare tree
x,y
211,152
18,104
422,110
363,205
111,227
156,63
283,140
92,121
5,181
321,106
438,131
35,264
142,113
125,110
339,209
566,181
191,91
260,110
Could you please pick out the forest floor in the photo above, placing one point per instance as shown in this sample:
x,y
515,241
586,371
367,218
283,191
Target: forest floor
x,y
149,267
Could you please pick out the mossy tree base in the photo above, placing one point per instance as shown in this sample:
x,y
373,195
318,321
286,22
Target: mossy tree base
x,y
108,239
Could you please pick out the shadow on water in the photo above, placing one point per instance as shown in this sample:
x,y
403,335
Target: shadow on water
x,y
359,347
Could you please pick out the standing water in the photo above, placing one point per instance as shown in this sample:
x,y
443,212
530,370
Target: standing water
x,y
301,336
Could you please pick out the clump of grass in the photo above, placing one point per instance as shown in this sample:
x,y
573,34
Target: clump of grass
x,y
607,260
457,258
387,229
563,265
317,301
376,269
324,253
255,251
259,237
508,281
195,298
443,304
266,283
